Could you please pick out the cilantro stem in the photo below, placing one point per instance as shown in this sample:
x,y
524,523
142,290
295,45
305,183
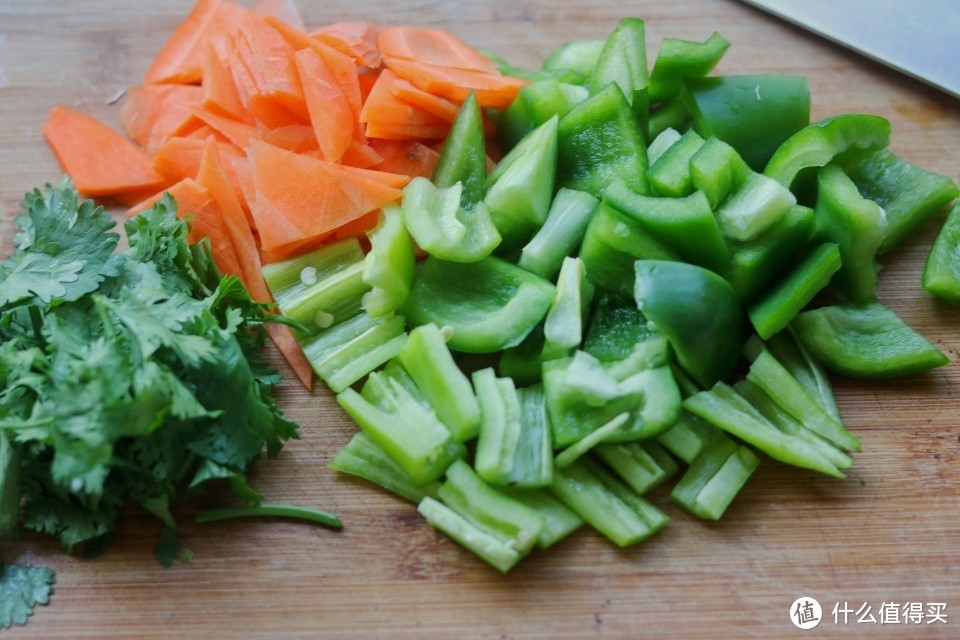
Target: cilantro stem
x,y
271,510
37,321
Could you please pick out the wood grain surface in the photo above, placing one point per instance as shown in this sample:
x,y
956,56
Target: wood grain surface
x,y
888,533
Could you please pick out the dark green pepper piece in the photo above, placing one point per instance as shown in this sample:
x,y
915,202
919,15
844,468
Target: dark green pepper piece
x,y
717,170
464,155
754,114
679,59
941,273
669,174
600,141
535,104
865,341
685,225
623,60
697,311
669,115
616,328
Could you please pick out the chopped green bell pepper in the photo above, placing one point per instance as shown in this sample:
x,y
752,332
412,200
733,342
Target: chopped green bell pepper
x,y
750,210
714,479
600,141
442,227
388,267
717,170
661,142
535,104
641,465
361,457
941,273
563,327
698,313
686,225
497,553
778,307
490,304
669,174
865,341
856,224
802,366
842,138
679,59
908,194
754,113
428,361
623,60
616,328
560,235
579,56
464,156
559,521
669,115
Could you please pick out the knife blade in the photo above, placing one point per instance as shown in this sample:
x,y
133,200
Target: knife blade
x,y
918,38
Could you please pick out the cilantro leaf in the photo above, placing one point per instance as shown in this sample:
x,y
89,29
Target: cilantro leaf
x,y
63,253
21,589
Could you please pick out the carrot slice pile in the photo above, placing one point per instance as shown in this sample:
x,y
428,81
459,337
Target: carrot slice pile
x,y
274,139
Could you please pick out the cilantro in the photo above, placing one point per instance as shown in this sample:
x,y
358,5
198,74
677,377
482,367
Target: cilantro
x,y
21,589
125,376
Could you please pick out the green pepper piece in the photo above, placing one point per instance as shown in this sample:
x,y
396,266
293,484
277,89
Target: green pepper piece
x,y
523,363
559,521
757,263
403,428
663,141
750,210
641,465
854,223
563,327
669,115
774,311
754,114
600,141
346,352
725,408
608,505
388,267
560,235
697,311
908,194
510,521
319,288
9,487
714,479
579,56
802,366
612,243
535,104
685,225
941,273
499,554
679,59
520,188
428,361
623,61
865,341
361,457
490,304
771,376
464,155
717,170
689,436
669,174
616,328
840,138
514,445
442,227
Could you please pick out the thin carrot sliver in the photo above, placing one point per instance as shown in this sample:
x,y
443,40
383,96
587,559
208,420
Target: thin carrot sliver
x,y
431,46
330,113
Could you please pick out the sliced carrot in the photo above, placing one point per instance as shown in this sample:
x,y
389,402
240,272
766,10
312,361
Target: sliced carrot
x,y
356,39
181,59
298,138
492,90
287,344
361,155
241,177
408,158
330,112
299,197
367,80
239,133
179,158
284,10
341,66
219,92
284,251
358,227
395,180
100,161
440,107
382,107
153,113
242,75
396,131
431,46
270,58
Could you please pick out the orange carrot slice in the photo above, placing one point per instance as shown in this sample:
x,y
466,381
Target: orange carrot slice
x,y
361,155
492,90
298,138
395,180
299,198
284,10
219,93
355,39
358,227
100,161
440,107
153,113
330,112
239,133
396,131
287,344
382,107
181,59
432,46
270,59
408,158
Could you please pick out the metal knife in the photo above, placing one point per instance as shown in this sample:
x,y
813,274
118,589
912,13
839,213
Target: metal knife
x,y
919,38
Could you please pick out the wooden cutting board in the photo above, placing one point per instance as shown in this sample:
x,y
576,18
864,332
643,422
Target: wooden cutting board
x,y
889,533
